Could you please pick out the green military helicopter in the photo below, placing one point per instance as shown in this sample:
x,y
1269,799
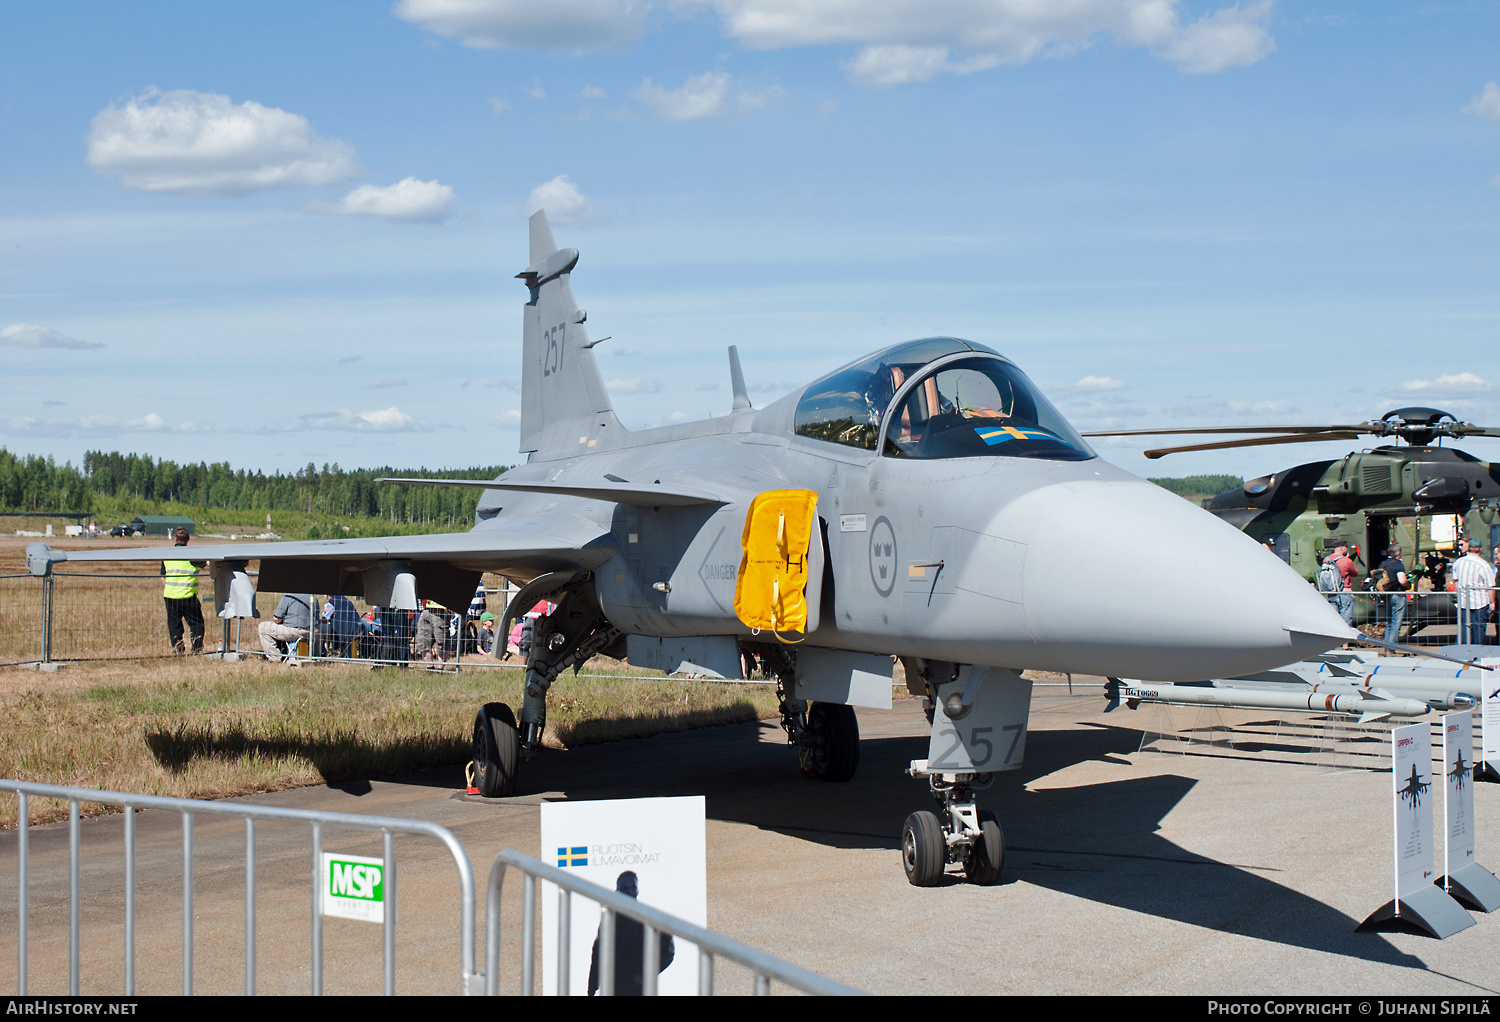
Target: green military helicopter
x,y
1414,493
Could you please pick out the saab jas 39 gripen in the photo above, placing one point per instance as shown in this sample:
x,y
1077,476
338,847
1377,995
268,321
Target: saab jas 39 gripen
x,y
925,503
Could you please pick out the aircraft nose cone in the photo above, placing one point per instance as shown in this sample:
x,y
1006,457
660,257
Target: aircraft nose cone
x,y
1166,592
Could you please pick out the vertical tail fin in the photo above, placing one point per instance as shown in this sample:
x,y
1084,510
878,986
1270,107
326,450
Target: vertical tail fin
x,y
565,408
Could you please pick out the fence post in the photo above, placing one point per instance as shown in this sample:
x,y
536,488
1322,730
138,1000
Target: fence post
x,y
47,618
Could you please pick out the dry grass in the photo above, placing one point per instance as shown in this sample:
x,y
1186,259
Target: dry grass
x,y
197,728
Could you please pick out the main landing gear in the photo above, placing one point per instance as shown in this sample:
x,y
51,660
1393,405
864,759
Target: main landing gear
x,y
826,734
566,638
960,832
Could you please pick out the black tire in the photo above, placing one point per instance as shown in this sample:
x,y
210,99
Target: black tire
x,y
987,855
834,731
924,853
497,748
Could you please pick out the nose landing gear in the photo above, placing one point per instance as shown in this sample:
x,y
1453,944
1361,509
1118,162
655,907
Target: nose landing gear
x,y
960,832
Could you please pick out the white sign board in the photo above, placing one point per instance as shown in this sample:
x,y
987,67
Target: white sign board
x,y
1458,791
354,887
655,844
1412,794
1445,530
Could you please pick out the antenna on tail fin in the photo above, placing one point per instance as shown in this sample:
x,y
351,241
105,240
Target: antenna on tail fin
x,y
737,380
565,408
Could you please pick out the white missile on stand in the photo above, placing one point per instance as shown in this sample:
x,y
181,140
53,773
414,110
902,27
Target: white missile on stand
x,y
1367,704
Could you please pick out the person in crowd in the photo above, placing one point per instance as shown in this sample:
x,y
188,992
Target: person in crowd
x,y
180,593
479,604
1473,583
290,623
484,635
1394,583
1341,566
370,635
432,633
340,624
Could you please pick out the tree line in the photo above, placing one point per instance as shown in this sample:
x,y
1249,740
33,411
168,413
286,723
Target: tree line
x,y
36,483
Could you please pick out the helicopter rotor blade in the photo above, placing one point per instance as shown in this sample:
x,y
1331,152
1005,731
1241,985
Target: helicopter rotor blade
x,y
1363,427
1217,445
1464,429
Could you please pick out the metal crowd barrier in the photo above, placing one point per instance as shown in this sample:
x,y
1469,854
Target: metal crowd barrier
x,y
763,967
388,826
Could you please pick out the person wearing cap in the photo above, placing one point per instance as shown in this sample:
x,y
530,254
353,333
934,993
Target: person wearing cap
x,y
484,637
180,593
1473,583
1343,599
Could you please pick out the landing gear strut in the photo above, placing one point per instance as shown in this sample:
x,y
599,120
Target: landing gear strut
x,y
567,637
826,734
960,832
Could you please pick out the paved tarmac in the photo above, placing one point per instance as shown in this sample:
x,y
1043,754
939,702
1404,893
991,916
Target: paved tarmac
x,y
1220,871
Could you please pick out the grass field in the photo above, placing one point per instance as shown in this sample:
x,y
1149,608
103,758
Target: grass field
x,y
197,728
123,715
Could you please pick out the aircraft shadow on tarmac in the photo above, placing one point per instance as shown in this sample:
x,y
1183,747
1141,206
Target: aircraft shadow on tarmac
x,y
1097,841
343,759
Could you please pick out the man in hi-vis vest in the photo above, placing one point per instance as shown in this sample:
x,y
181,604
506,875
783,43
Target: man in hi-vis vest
x,y
181,595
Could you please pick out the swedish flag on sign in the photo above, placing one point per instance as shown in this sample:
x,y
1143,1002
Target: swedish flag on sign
x,y
993,435
577,855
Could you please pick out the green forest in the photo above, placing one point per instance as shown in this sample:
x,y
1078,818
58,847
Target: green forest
x,y
1200,486
119,486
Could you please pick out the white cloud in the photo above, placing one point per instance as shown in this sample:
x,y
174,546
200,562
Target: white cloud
x,y
30,335
202,143
593,92
98,425
387,384
1452,383
1230,37
576,25
535,90
498,106
911,40
634,385
562,200
381,420
507,420
407,199
1486,104
880,67
1098,383
701,96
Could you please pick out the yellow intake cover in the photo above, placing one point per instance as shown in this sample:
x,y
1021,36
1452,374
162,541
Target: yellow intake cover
x,y
770,591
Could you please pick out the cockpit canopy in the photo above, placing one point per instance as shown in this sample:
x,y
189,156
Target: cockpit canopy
x,y
937,398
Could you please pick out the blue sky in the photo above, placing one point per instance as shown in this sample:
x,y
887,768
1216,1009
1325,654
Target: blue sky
x,y
283,233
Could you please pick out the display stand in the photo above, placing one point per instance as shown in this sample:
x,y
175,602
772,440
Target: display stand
x,y
1417,902
1463,878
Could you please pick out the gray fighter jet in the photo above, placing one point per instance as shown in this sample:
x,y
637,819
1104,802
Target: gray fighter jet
x,y
925,503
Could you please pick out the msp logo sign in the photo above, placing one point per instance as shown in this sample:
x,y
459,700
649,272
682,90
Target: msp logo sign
x,y
353,887
883,555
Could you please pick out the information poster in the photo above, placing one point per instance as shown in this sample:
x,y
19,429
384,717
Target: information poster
x,y
1489,716
1458,791
1411,782
651,848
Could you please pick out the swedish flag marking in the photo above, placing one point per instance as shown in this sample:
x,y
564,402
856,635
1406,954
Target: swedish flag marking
x,y
577,855
993,435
